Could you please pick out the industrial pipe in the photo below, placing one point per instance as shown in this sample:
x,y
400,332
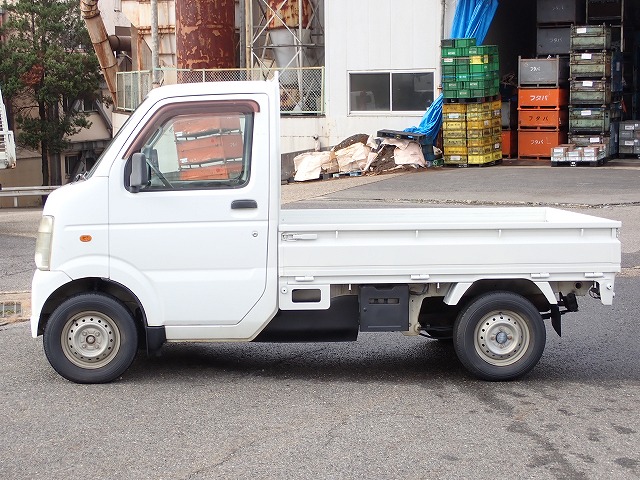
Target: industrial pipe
x,y
120,43
100,41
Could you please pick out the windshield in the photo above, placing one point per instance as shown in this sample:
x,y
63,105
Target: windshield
x,y
90,173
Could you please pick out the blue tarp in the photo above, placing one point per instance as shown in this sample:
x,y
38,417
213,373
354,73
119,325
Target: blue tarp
x,y
431,121
473,18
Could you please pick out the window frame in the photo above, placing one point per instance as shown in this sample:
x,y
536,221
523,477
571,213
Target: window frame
x,y
168,112
391,111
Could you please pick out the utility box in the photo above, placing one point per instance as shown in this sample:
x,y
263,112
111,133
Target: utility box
x,y
384,309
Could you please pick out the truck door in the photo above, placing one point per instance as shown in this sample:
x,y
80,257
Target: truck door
x,y
197,234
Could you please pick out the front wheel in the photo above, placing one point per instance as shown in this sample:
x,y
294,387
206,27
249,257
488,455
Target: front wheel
x,y
90,338
499,336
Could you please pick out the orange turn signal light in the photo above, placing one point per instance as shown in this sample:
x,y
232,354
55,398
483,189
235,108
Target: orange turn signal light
x,y
85,238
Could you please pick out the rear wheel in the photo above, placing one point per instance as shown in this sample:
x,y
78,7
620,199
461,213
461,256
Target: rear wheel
x,y
90,338
499,336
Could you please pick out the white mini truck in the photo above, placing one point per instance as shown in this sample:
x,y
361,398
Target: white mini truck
x,y
177,235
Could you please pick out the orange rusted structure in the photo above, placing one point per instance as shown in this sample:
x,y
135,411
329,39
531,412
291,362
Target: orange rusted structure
x,y
287,13
205,34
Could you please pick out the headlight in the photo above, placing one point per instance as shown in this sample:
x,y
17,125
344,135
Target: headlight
x,y
43,243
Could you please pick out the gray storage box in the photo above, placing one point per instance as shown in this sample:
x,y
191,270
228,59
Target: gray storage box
x,y
553,41
590,37
543,72
561,11
590,92
629,147
589,119
627,135
590,65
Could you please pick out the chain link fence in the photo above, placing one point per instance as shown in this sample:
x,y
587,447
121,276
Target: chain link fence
x,y
301,89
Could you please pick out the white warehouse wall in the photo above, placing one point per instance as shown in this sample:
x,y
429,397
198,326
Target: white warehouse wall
x,y
370,36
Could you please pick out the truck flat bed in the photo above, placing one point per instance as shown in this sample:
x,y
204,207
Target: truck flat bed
x,y
446,244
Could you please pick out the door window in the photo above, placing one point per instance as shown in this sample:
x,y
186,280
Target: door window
x,y
199,151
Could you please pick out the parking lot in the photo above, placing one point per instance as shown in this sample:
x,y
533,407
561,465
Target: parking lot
x,y
386,406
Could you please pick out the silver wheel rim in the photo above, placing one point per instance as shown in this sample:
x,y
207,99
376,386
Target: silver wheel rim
x,y
502,338
90,340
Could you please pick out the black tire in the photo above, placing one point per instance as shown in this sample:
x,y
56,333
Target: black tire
x,y
91,338
499,336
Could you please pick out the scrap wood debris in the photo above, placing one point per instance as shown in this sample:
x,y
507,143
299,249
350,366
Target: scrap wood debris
x,y
361,154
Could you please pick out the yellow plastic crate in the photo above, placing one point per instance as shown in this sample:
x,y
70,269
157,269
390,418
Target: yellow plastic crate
x,y
480,150
479,116
455,159
478,132
454,142
453,116
451,125
476,124
479,142
454,108
455,134
497,155
496,105
479,107
480,159
455,150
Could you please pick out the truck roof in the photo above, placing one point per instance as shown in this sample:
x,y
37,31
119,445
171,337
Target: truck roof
x,y
208,88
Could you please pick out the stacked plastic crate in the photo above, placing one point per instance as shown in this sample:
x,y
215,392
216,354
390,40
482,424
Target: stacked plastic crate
x,y
595,88
472,133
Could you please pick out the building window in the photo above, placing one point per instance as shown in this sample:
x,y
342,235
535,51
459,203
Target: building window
x,y
70,165
391,91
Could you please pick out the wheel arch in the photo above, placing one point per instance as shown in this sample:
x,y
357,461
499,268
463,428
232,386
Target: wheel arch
x,y
96,285
539,293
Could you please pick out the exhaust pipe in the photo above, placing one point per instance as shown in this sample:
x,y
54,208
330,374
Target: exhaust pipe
x,y
101,45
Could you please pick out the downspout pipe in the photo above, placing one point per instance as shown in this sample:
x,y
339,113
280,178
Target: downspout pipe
x,y
100,41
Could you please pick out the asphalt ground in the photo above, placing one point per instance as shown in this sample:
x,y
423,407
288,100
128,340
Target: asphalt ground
x,y
610,191
385,407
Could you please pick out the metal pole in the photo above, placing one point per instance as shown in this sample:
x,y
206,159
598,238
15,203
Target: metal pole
x,y
155,58
243,36
248,34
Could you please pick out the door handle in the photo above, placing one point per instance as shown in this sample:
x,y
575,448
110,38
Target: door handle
x,y
237,204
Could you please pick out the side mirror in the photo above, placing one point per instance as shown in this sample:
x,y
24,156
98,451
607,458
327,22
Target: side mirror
x,y
139,172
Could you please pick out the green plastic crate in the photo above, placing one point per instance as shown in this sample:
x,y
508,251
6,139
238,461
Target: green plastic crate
x,y
455,51
483,50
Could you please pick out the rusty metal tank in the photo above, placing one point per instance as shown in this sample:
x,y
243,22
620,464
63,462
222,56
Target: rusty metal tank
x,y
288,13
205,34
